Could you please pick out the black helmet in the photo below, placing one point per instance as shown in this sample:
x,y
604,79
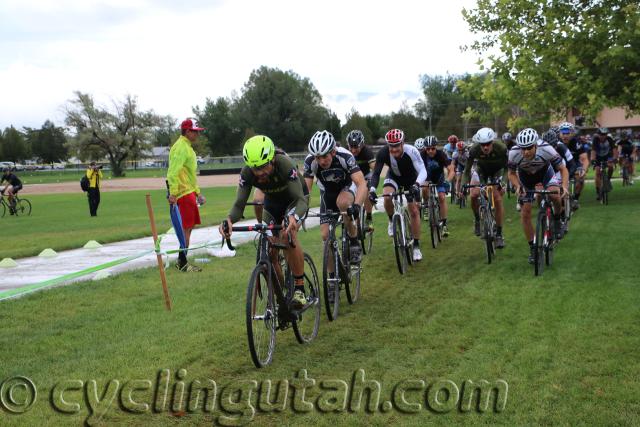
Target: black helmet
x,y
603,131
550,138
355,138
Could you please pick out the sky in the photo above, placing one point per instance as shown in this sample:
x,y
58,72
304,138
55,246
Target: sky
x,y
173,55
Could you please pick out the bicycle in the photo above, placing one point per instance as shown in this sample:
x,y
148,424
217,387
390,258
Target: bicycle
x,y
365,233
18,207
269,295
433,214
605,183
402,237
568,203
486,210
544,240
336,256
625,171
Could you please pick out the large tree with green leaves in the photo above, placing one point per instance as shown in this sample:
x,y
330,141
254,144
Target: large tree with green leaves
x,y
553,56
356,121
14,146
48,143
409,122
283,106
119,133
222,130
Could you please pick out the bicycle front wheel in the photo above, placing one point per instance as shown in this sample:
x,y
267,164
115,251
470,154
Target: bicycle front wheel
x,y
399,243
433,225
306,325
331,285
486,233
408,239
538,243
261,317
23,207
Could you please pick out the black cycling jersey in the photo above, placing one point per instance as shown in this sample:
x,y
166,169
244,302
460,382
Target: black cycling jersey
x,y
488,165
12,179
405,171
569,160
625,148
364,159
337,176
283,188
577,147
435,166
603,147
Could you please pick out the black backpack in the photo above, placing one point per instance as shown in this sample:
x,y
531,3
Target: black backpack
x,y
84,183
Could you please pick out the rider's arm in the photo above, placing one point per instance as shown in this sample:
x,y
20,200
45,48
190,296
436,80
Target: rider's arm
x,y
380,160
565,177
242,195
466,174
513,178
362,190
418,165
309,182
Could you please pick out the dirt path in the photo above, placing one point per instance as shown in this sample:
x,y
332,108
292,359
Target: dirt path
x,y
126,184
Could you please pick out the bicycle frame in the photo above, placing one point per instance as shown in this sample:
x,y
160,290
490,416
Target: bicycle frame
x,y
544,238
403,243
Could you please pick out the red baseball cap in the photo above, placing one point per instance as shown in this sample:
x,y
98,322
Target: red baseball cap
x,y
190,124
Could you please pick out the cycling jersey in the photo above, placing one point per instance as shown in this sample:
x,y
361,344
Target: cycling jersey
x,y
567,157
12,179
364,159
509,144
283,193
539,169
489,165
460,160
577,147
435,166
337,176
625,148
603,147
404,172
449,149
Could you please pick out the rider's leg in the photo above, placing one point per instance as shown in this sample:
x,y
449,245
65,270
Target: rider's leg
x,y
258,197
499,207
444,208
345,201
414,215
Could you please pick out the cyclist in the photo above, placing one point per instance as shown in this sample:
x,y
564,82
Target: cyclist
x,y
13,186
507,139
365,159
406,170
579,151
603,149
532,163
626,153
276,175
341,182
460,157
436,162
450,146
551,138
491,161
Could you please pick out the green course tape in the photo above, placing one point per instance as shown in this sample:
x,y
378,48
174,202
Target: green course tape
x,y
56,281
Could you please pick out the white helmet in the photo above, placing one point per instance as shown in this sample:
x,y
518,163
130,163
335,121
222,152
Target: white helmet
x,y
527,137
419,144
321,143
484,136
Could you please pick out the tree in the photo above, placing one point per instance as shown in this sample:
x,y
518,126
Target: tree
x,y
222,130
14,147
48,143
121,133
283,106
558,55
333,126
409,122
356,121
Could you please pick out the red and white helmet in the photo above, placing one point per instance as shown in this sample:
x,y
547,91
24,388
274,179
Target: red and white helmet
x,y
394,137
460,145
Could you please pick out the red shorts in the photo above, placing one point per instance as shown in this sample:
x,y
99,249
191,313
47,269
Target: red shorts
x,y
189,211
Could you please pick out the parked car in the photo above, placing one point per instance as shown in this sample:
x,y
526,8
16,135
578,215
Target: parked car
x,y
57,166
200,160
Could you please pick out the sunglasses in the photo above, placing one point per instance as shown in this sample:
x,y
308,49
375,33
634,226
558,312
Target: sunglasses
x,y
430,148
259,168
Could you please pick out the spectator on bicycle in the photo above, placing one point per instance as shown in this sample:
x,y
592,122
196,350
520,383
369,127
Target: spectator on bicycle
x,y
436,162
365,159
277,176
491,159
459,160
507,139
580,152
533,163
603,150
183,186
406,171
626,153
341,182
94,174
13,186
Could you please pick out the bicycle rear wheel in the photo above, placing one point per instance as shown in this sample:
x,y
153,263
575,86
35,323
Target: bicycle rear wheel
x,y
331,285
23,207
486,233
353,287
306,324
261,317
433,225
398,244
538,243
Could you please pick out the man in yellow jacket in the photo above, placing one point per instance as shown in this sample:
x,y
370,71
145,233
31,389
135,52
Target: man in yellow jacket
x,y
183,187
93,193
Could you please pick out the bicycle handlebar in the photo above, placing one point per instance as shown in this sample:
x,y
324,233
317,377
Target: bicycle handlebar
x,y
259,228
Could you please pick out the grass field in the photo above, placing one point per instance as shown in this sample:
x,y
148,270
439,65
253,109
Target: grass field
x,y
565,343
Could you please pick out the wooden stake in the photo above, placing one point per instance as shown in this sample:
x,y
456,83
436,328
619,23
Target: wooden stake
x,y
163,278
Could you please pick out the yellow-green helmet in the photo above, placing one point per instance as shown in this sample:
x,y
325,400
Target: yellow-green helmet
x,y
258,151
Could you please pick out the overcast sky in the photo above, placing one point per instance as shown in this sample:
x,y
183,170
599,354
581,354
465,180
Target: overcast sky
x,y
172,55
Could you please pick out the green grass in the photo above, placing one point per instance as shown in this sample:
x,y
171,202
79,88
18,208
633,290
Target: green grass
x,y
62,221
566,343
67,175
